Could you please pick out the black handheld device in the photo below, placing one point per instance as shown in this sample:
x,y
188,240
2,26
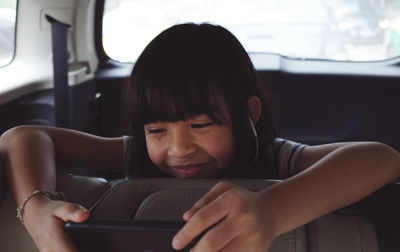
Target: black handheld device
x,y
124,236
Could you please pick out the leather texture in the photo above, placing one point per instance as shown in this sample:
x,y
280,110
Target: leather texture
x,y
154,207
336,232
167,199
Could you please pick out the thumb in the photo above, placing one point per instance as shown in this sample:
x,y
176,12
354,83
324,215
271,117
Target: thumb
x,y
71,212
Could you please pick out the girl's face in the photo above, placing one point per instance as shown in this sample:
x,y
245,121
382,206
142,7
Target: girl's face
x,y
195,148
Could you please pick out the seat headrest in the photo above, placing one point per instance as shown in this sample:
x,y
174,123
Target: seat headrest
x,y
168,199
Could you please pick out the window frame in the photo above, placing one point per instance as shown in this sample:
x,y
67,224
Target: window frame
x,y
15,35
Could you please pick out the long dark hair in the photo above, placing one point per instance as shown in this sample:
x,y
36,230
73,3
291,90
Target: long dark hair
x,y
180,74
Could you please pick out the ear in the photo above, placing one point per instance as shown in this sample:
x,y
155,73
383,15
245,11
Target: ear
x,y
254,105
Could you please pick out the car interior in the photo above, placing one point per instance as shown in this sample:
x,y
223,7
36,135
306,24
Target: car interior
x,y
59,74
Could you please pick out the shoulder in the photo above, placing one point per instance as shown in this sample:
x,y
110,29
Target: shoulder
x,y
284,145
286,153
313,154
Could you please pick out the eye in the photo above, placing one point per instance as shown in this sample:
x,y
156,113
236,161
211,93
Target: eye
x,y
201,125
156,131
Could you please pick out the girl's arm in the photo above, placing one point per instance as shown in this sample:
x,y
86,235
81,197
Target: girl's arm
x,y
30,153
331,177
343,176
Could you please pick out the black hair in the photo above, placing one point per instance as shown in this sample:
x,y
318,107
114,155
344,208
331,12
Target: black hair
x,y
181,73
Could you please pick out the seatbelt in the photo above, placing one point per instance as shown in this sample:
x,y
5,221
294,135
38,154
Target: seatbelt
x,y
60,70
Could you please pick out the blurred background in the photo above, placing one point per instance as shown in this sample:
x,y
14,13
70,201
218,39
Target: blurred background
x,y
343,30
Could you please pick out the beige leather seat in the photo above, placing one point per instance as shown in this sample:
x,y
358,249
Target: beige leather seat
x,y
167,199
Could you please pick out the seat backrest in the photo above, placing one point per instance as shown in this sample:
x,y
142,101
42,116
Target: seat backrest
x,y
167,199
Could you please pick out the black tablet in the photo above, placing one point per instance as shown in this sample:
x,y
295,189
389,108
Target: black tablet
x,y
121,236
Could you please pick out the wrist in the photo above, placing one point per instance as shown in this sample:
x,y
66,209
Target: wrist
x,y
274,210
37,199
33,207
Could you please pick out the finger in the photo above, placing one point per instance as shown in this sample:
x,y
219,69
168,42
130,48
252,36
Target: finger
x,y
71,212
214,192
218,237
209,215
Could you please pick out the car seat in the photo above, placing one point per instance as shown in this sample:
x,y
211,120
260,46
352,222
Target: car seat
x,y
167,199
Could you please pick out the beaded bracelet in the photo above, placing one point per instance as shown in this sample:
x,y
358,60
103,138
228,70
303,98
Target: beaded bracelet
x,y
49,195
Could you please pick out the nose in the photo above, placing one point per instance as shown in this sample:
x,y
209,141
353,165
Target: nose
x,y
181,144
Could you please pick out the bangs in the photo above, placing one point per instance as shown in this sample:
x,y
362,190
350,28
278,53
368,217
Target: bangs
x,y
179,99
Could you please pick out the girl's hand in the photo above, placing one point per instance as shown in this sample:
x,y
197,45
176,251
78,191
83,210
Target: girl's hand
x,y
44,220
241,223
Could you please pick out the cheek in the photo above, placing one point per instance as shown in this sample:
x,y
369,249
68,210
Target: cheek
x,y
222,148
156,152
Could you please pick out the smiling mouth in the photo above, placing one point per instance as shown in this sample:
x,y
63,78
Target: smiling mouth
x,y
189,170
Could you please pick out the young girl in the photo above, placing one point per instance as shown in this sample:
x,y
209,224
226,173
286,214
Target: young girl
x,y
197,110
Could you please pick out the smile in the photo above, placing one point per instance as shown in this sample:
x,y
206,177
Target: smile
x,y
189,170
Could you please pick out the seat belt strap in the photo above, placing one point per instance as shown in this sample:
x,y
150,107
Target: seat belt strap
x,y
60,70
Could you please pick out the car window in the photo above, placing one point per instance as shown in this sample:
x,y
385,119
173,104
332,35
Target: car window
x,y
7,30
344,30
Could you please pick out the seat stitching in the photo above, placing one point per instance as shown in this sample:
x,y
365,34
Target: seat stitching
x,y
298,240
359,234
148,201
290,242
